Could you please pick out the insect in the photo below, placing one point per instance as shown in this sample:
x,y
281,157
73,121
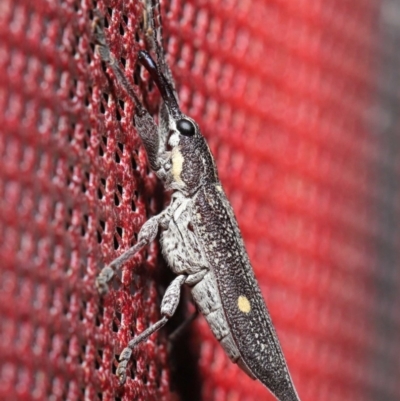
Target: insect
x,y
199,235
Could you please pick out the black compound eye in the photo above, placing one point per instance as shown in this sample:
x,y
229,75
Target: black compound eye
x,y
185,127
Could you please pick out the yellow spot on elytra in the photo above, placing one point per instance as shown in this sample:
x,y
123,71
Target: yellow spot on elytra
x,y
177,163
219,188
244,304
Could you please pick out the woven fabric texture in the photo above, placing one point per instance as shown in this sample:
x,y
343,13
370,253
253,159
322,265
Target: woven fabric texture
x,y
299,102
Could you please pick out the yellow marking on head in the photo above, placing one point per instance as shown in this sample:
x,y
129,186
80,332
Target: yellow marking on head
x,y
177,163
244,304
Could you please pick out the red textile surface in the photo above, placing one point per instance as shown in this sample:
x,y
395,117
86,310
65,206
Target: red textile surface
x,y
282,91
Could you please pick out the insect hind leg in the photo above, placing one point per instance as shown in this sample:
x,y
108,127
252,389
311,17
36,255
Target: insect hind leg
x,y
168,307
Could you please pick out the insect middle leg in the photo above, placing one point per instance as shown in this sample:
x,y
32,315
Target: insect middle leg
x,y
147,233
168,307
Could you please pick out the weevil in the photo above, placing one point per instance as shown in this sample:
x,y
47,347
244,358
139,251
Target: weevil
x,y
199,235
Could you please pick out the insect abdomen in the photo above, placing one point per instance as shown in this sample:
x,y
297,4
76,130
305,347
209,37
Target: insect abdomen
x,y
206,296
246,314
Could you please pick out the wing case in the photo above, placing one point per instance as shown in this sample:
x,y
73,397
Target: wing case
x,y
243,304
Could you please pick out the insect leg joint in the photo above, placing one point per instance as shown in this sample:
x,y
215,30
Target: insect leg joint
x,y
168,307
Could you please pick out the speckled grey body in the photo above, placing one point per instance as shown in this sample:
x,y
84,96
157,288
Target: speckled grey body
x,y
184,254
203,242
199,235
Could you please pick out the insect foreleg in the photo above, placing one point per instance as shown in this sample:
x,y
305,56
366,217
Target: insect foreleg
x,y
153,35
168,307
104,51
145,124
148,131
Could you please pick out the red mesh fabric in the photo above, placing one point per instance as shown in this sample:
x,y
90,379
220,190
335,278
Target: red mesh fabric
x,y
284,91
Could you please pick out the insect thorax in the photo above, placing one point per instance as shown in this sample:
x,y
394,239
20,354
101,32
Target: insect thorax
x,y
180,245
187,164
